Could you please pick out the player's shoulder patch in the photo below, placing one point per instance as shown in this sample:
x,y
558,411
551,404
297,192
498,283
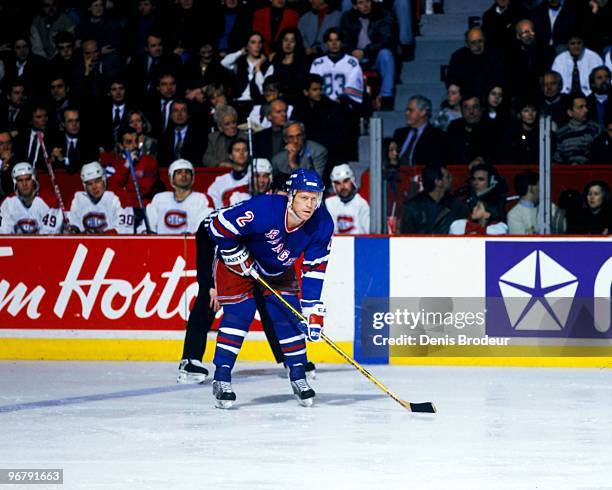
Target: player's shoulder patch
x,y
352,61
318,61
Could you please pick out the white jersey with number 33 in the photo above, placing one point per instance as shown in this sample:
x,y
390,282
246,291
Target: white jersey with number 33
x,y
341,78
107,215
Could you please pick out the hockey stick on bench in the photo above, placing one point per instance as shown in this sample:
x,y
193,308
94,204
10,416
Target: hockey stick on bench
x,y
425,407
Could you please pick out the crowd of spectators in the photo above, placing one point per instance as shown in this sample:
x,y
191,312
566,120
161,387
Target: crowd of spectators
x,y
526,59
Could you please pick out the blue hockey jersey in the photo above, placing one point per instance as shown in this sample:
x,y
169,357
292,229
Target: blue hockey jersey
x,y
261,225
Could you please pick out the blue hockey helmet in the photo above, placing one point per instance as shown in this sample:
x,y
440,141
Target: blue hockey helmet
x,y
305,180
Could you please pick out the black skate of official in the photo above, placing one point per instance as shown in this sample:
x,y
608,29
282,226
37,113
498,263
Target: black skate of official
x,y
223,393
304,394
191,371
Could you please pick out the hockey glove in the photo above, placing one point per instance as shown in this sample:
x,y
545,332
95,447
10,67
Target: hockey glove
x,y
315,316
238,260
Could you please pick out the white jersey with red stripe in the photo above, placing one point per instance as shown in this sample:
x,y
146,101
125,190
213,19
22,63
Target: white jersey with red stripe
x,y
342,78
108,215
42,217
227,190
350,218
168,216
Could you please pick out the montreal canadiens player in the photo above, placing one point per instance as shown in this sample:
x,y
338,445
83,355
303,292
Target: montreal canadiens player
x,y
97,210
350,211
182,210
29,211
233,187
268,234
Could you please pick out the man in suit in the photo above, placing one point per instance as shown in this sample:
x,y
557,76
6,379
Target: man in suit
x,y
420,143
158,107
27,147
269,142
13,114
72,149
555,21
598,102
182,139
112,114
92,73
26,66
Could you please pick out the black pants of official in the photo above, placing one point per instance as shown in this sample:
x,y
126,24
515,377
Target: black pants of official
x,y
202,315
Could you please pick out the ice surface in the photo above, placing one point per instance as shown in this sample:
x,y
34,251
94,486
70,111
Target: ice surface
x,y
116,425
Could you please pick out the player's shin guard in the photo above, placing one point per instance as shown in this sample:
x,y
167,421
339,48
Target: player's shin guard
x,y
232,331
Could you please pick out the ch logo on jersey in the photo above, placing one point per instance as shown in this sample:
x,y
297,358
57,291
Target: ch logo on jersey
x,y
94,222
272,234
175,219
26,226
246,218
346,224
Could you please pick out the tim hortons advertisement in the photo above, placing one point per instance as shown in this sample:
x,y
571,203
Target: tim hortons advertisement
x,y
97,283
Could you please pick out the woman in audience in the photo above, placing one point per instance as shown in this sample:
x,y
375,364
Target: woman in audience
x,y
595,217
290,66
496,110
450,108
520,143
147,145
486,219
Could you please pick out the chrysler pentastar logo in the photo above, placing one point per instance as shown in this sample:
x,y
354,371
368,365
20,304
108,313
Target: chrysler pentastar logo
x,y
538,293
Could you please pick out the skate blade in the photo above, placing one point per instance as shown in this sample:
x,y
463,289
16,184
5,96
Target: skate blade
x,y
307,402
191,378
224,404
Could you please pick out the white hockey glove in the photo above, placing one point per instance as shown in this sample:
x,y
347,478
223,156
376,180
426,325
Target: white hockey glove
x,y
315,316
238,260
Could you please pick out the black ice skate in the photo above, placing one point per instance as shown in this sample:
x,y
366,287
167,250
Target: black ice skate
x,y
309,367
191,371
223,393
304,394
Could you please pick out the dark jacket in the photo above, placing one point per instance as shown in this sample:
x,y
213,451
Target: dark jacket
x,y
566,23
423,215
465,146
431,147
85,151
382,31
498,28
475,74
192,148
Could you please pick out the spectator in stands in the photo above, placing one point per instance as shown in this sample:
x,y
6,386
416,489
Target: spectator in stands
x,y
432,210
485,219
72,149
523,217
7,161
450,108
602,146
598,21
497,113
484,181
60,98
554,103
420,143
13,112
92,74
474,68
269,142
182,139
259,114
595,217
21,64
498,23
599,101
314,23
469,137
520,144
555,21
575,65
46,26
97,25
237,21
143,22
213,97
350,211
574,140
145,69
271,21
159,104
251,67
120,180
233,187
368,33
526,61
220,141
290,63
341,73
63,63
187,23
27,147
204,69
326,122
112,114
299,152
147,145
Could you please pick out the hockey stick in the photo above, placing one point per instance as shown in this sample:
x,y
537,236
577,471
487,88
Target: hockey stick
x,y
424,407
56,189
128,156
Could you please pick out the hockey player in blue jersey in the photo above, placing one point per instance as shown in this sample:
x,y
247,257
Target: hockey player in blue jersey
x,y
268,234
